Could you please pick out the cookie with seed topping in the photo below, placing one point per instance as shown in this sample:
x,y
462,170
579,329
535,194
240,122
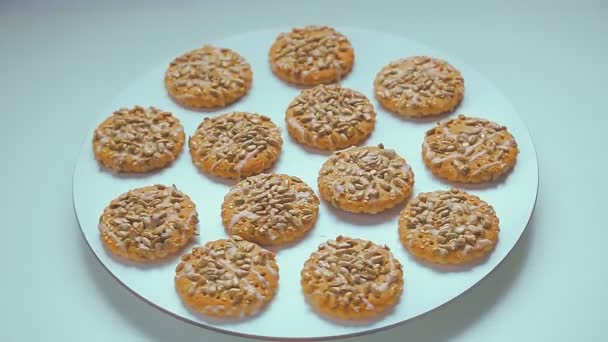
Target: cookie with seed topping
x,y
228,278
208,77
365,179
469,150
329,117
448,227
148,224
419,86
352,279
311,55
270,209
138,139
235,145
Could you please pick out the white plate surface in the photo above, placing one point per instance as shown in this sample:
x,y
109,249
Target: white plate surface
x,y
289,316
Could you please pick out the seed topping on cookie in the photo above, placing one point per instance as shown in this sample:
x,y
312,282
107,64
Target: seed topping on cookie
x,y
235,141
270,209
448,224
138,139
149,223
312,55
419,86
473,147
330,117
233,277
216,76
366,175
351,277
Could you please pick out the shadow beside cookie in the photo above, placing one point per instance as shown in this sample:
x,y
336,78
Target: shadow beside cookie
x,y
363,219
137,175
214,110
171,260
477,186
227,321
425,120
356,323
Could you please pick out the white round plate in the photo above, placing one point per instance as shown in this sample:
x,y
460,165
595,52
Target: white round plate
x,y
289,316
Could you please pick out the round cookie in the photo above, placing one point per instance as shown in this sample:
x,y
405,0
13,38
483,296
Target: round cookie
x,y
469,150
311,55
235,145
148,224
208,77
138,139
419,87
329,117
448,227
365,179
352,279
228,278
270,209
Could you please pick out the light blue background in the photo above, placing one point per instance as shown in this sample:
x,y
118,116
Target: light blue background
x,y
63,60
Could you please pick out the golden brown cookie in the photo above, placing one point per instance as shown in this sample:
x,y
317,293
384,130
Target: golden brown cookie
x,y
469,150
365,179
419,87
138,139
228,278
208,77
448,227
235,145
352,279
148,224
329,117
270,209
311,55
